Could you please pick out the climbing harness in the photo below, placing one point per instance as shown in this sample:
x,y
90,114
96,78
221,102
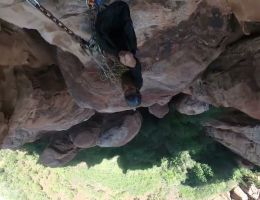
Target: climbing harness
x,y
95,3
90,47
91,3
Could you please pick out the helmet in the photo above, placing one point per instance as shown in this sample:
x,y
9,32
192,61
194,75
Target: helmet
x,y
133,100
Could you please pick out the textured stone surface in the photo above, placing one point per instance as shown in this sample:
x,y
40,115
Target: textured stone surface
x,y
188,38
59,152
246,11
170,63
19,47
122,133
159,111
85,137
238,194
108,130
233,80
33,94
188,105
252,191
239,133
45,89
74,14
42,108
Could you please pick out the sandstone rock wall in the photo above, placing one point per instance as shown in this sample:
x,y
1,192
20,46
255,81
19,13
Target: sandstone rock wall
x,y
189,36
48,85
238,132
233,79
34,97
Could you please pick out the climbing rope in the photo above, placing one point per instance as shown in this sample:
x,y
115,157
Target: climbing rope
x,y
48,14
90,47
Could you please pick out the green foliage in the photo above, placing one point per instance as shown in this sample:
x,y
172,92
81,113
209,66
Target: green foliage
x,y
175,170
246,176
171,154
201,173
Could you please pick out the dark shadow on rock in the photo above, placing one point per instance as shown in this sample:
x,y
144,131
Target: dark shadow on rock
x,y
164,138
221,161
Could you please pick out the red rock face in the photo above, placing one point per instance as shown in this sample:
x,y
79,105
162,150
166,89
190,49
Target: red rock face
x,y
34,97
159,111
108,130
188,105
176,44
233,79
238,132
170,63
195,47
241,10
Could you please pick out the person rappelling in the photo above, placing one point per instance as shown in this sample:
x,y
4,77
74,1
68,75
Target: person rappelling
x,y
115,36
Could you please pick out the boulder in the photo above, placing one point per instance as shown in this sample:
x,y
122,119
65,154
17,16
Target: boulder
x,y
237,132
86,138
232,80
103,130
245,12
34,96
159,111
59,152
41,107
122,133
21,47
252,191
238,194
241,10
190,106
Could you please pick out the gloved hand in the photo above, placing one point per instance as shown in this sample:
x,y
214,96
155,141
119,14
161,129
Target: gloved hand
x,y
127,59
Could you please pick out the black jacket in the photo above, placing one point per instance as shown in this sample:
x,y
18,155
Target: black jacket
x,y
115,33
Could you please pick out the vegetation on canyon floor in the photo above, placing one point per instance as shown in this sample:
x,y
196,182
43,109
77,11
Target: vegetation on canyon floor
x,y
170,159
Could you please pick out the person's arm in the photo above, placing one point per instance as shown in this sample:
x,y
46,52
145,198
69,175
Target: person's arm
x,y
102,27
136,74
106,44
131,40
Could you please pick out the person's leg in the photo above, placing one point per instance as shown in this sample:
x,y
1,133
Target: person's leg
x,y
126,27
115,29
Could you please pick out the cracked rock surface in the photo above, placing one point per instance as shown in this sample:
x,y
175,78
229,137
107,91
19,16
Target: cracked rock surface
x,y
49,87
